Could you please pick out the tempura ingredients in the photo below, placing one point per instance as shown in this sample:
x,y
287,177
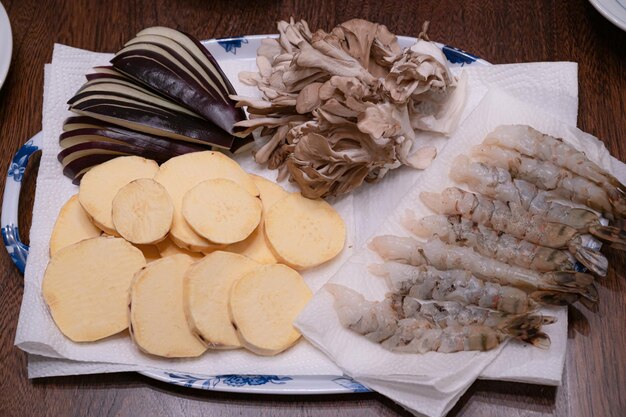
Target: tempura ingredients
x,y
264,304
304,233
157,318
221,211
72,225
142,212
255,246
86,287
101,184
181,174
207,286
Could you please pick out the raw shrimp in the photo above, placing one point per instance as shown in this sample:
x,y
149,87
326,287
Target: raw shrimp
x,y
511,218
454,229
480,175
419,333
531,142
427,283
443,256
497,183
559,181
452,313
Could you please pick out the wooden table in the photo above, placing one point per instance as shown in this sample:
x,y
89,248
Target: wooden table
x,y
594,381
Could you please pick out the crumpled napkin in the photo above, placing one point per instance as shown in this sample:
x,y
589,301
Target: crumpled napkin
x,y
431,383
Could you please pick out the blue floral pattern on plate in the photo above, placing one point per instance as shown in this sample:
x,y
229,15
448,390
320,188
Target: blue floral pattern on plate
x,y
232,44
458,56
20,160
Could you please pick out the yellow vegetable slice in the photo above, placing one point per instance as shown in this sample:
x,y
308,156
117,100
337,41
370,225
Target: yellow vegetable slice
x,y
304,233
180,174
101,183
168,248
221,211
206,291
86,287
150,252
255,246
72,225
142,211
263,305
157,318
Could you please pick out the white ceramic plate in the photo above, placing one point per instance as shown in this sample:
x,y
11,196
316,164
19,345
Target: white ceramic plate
x,y
613,10
244,49
6,44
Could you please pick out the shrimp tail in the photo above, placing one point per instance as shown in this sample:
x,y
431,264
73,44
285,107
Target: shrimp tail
x,y
609,234
570,279
540,340
594,260
527,327
554,297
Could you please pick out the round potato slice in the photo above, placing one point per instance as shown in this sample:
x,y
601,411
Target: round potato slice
x,y
206,290
221,211
168,248
180,174
263,305
157,317
142,211
86,287
304,233
102,182
72,225
255,246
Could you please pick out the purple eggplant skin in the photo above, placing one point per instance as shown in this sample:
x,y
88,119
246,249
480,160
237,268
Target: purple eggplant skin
x,y
167,147
145,119
73,169
113,148
163,76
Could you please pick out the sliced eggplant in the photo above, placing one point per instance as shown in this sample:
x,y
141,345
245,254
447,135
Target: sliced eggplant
x,y
164,146
145,118
174,69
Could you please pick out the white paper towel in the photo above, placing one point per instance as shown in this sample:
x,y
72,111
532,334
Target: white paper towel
x,y
551,86
37,332
448,374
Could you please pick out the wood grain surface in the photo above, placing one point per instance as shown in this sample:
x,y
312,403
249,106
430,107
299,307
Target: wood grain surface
x,y
594,382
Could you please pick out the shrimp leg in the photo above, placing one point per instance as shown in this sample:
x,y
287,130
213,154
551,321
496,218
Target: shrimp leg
x,y
531,142
442,256
511,218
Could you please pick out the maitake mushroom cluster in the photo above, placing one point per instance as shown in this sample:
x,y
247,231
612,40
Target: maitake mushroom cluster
x,y
342,107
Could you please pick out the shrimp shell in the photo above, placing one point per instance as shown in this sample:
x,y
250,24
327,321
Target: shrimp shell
x,y
443,256
545,175
531,142
504,247
427,283
511,218
419,333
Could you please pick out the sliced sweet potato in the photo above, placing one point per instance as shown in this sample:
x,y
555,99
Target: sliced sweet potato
x,y
255,246
168,248
101,183
72,225
180,174
206,290
304,233
263,305
86,287
157,317
221,211
150,252
142,211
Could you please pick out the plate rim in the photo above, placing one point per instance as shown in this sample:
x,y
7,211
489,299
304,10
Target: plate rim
x,y
5,33
608,11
